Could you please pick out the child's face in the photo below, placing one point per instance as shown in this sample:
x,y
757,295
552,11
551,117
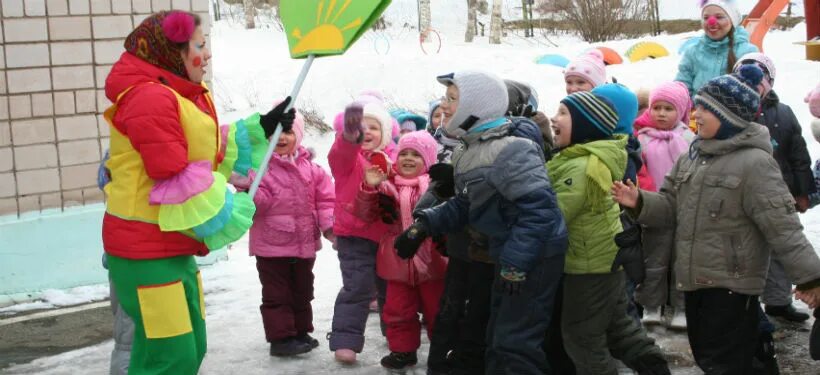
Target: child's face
x,y
664,115
708,123
716,23
449,104
576,84
410,163
372,134
562,126
436,119
286,143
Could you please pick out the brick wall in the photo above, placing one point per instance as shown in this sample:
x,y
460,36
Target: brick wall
x,y
54,58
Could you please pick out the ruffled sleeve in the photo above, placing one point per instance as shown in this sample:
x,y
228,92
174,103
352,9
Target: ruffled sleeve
x,y
197,200
244,146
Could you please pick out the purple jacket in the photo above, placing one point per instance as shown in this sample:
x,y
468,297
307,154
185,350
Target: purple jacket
x,y
294,205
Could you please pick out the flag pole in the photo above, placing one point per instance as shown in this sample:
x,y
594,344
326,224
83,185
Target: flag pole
x,y
275,138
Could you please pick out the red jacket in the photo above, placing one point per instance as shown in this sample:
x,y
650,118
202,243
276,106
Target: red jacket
x,y
148,115
428,264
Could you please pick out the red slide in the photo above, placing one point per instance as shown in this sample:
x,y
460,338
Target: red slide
x,y
762,17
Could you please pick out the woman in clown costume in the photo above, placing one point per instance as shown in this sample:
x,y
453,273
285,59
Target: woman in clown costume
x,y
168,198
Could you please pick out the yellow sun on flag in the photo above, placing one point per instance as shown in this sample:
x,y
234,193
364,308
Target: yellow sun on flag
x,y
326,35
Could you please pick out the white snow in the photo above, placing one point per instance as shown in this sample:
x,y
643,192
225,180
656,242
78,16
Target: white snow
x,y
52,298
251,70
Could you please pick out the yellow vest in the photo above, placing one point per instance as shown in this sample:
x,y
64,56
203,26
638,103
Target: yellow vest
x,y
130,185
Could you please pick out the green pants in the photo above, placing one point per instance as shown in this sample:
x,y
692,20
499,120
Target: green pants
x,y
596,327
164,298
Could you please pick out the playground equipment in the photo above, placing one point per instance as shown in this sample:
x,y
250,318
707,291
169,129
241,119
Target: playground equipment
x,y
610,56
554,60
646,50
764,15
430,41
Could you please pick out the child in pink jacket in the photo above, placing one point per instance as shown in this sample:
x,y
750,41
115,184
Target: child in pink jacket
x,y
294,207
414,284
664,135
366,132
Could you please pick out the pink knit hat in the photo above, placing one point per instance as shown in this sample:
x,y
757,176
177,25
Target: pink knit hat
x,y
674,93
422,142
298,127
589,66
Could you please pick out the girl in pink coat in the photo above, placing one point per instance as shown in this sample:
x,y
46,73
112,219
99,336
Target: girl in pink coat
x,y
664,135
414,284
294,207
366,132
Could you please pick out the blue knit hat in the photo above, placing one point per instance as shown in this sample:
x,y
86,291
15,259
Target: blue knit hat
x,y
593,117
625,102
732,98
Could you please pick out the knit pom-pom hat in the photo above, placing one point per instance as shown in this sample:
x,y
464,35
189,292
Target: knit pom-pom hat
x,y
732,98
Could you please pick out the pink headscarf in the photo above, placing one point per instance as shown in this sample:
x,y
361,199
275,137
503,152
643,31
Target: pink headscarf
x,y
674,93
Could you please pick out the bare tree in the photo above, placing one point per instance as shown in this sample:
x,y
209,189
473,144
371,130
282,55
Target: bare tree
x,y
472,15
250,13
496,23
425,18
601,20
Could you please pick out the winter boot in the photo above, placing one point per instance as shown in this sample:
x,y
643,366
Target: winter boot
x,y
651,315
288,347
678,321
787,312
345,356
765,359
307,339
651,364
814,338
399,361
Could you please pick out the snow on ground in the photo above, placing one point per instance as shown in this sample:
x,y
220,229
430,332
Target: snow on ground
x,y
251,71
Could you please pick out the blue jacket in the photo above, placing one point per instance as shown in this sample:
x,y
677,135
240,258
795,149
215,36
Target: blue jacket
x,y
707,59
502,191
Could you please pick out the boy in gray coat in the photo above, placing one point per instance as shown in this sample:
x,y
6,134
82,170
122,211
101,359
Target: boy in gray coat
x,y
729,207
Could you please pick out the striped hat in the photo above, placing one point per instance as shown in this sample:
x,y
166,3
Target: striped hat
x,y
732,98
593,117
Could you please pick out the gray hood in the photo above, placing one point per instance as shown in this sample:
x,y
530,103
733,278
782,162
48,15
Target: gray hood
x,y
482,98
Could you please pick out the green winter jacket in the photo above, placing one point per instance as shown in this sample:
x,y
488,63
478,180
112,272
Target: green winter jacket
x,y
582,176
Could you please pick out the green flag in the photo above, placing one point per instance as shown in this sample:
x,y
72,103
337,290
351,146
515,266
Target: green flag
x,y
327,27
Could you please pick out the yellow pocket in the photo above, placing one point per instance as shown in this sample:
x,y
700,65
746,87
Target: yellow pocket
x,y
164,310
201,294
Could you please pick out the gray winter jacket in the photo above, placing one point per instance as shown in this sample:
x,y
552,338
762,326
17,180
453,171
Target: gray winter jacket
x,y
729,206
502,191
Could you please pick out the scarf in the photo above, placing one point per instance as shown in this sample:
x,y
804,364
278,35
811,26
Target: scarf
x,y
661,149
407,192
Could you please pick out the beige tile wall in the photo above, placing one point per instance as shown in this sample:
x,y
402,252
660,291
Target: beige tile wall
x,y
54,58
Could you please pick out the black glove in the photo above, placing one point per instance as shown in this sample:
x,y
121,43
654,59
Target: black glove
x,y
440,243
443,178
387,209
409,241
511,280
277,115
630,251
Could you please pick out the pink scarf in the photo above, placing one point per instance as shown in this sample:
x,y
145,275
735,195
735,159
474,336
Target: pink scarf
x,y
661,149
407,191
